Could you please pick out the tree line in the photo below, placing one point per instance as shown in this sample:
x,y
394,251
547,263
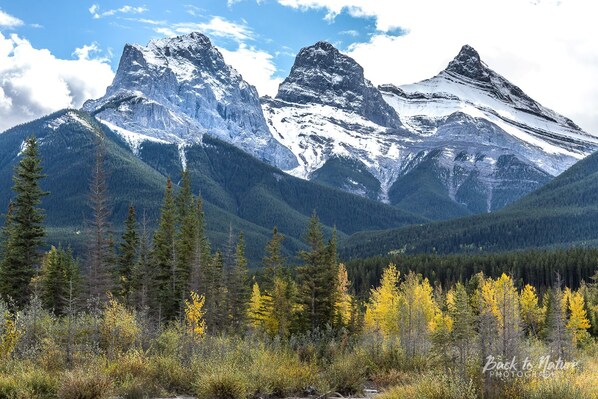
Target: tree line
x,y
172,271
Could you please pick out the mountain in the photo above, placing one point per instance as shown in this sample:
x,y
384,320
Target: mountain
x,y
178,89
563,213
464,142
239,190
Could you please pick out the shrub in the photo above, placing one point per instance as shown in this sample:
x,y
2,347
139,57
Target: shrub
x,y
432,386
222,380
347,373
80,384
119,329
280,373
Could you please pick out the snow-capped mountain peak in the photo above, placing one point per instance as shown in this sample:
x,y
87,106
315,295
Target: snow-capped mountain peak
x,y
178,89
323,75
469,64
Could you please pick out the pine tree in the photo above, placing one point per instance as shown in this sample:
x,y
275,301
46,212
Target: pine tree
x,y
59,280
164,259
238,289
273,260
99,255
186,238
24,230
128,257
216,311
142,272
318,277
5,232
201,254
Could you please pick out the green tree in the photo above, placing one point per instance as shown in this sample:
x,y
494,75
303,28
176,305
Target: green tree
x,y
318,277
24,228
59,280
164,259
238,287
200,268
188,223
273,261
128,258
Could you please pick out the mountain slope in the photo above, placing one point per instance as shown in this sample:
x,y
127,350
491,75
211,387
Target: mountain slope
x,y
562,213
467,141
239,190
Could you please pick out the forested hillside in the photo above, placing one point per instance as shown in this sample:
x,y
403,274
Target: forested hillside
x,y
561,214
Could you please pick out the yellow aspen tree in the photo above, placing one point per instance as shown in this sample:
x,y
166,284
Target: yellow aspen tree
x,y
578,320
343,303
417,310
194,315
382,309
532,314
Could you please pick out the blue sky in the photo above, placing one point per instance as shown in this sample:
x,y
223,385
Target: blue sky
x,y
55,54
281,31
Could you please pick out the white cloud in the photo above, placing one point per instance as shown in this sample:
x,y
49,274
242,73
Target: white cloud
x,y
95,11
8,21
256,66
547,47
217,26
34,83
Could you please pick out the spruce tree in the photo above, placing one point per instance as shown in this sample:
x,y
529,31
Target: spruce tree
x,y
164,259
216,310
24,228
186,239
59,280
142,272
128,257
318,277
273,261
238,288
201,253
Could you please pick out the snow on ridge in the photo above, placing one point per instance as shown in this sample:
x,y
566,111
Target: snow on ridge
x,y
134,140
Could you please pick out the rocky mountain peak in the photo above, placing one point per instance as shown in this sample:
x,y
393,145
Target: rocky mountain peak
x,y
178,89
469,64
323,75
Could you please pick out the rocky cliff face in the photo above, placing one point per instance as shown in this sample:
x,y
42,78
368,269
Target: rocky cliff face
x,y
179,89
322,75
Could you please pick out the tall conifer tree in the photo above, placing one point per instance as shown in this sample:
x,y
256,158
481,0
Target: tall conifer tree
x,y
164,259
24,228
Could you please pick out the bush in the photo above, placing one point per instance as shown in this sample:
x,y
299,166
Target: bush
x,y
347,373
280,373
432,386
80,384
222,380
